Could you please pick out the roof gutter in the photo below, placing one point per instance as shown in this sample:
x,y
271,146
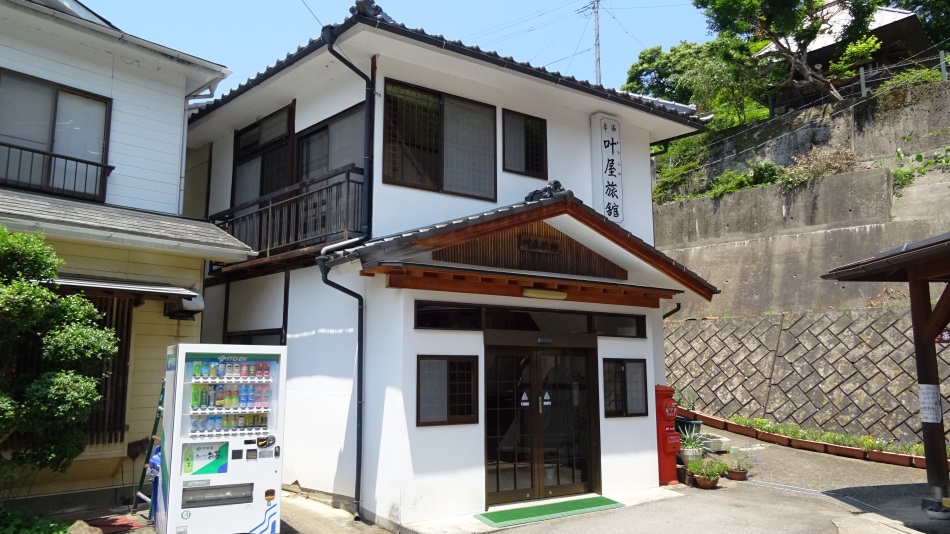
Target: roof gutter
x,y
137,42
207,252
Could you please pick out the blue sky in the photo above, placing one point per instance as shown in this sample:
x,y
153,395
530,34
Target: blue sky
x,y
249,35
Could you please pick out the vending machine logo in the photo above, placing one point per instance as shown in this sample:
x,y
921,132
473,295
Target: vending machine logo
x,y
170,362
226,358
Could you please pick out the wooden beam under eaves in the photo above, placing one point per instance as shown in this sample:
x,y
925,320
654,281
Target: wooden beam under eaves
x,y
434,279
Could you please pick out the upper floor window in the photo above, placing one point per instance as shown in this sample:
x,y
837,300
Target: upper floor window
x,y
332,144
438,142
262,161
526,144
52,138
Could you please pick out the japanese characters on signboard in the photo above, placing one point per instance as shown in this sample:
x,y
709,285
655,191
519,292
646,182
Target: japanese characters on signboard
x,y
610,179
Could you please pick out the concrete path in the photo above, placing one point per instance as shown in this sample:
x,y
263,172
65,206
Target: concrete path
x,y
789,491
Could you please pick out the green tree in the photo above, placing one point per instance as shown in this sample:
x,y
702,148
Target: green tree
x,y
52,356
661,74
791,27
933,15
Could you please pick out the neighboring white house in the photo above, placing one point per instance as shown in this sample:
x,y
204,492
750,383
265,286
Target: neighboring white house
x,y
92,124
510,348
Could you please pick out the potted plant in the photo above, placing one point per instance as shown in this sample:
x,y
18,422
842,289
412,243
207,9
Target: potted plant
x,y
847,445
691,447
741,424
777,433
706,473
739,464
877,452
807,440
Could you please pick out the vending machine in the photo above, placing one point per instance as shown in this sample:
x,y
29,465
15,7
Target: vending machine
x,y
221,440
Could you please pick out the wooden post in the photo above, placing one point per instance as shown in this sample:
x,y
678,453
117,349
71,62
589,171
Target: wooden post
x,y
925,352
864,87
943,65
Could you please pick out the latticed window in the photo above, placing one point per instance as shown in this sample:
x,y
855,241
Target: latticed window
x,y
447,390
526,144
625,387
438,142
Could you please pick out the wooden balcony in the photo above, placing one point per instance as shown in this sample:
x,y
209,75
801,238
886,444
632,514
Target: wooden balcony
x,y
305,215
46,172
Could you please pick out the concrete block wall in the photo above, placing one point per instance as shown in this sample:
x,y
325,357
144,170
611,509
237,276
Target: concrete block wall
x,y
842,371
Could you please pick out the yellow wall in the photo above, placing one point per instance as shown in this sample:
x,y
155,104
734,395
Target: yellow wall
x,y
106,465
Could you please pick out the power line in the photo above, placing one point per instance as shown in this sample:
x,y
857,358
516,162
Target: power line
x,y
304,2
527,18
567,57
529,30
652,7
624,28
583,33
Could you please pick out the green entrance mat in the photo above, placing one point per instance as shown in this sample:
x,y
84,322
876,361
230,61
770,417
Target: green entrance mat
x,y
530,514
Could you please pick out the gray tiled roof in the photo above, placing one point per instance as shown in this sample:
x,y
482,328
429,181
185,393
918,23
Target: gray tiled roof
x,y
670,110
50,210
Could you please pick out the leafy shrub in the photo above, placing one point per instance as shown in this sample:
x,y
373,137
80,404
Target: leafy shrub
x,y
708,468
856,52
818,163
691,440
909,78
739,459
22,522
685,398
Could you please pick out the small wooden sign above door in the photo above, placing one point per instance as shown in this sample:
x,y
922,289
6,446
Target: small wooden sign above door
x,y
544,245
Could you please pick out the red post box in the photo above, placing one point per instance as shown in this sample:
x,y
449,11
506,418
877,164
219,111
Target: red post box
x,y
667,438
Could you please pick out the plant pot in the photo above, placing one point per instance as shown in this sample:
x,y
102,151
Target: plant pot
x,y
892,458
747,431
777,439
706,483
841,450
920,462
711,420
683,475
737,474
687,426
714,443
683,412
808,445
687,455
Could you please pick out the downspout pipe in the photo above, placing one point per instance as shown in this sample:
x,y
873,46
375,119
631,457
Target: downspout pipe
x,y
325,272
368,130
366,207
679,306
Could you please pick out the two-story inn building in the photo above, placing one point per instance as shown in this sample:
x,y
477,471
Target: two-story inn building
x,y
459,333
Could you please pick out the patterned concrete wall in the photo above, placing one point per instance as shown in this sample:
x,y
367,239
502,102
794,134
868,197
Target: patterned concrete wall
x,y
845,371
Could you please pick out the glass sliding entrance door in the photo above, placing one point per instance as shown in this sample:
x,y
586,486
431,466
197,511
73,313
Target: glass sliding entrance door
x,y
540,422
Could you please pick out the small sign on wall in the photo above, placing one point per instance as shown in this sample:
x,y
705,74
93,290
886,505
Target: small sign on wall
x,y
930,408
608,171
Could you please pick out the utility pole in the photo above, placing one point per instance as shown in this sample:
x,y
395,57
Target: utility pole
x,y
597,37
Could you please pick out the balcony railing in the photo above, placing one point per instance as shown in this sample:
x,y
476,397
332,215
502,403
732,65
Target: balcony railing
x,y
312,212
46,172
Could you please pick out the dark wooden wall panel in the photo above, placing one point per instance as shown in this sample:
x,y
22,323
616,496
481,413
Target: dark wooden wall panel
x,y
506,250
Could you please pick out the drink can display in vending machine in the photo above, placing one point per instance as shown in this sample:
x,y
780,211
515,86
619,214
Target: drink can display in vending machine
x,y
213,370
244,369
251,370
265,396
266,369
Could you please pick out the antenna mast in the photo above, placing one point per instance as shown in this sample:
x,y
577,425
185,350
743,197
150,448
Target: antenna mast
x,y
597,37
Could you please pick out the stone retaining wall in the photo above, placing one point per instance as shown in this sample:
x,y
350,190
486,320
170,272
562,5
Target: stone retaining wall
x,y
843,371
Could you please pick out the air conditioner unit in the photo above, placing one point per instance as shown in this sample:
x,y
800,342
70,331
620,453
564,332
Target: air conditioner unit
x,y
185,309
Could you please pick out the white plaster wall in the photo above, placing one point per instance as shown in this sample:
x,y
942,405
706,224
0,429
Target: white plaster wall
x,y
385,419
212,319
628,444
321,392
147,120
222,164
568,152
256,303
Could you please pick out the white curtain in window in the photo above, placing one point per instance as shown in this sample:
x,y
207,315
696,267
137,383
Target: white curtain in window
x,y
346,141
80,133
433,391
26,116
514,142
469,137
636,386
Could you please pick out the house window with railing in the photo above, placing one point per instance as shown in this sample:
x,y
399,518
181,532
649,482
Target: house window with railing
x,y
438,142
296,190
53,138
